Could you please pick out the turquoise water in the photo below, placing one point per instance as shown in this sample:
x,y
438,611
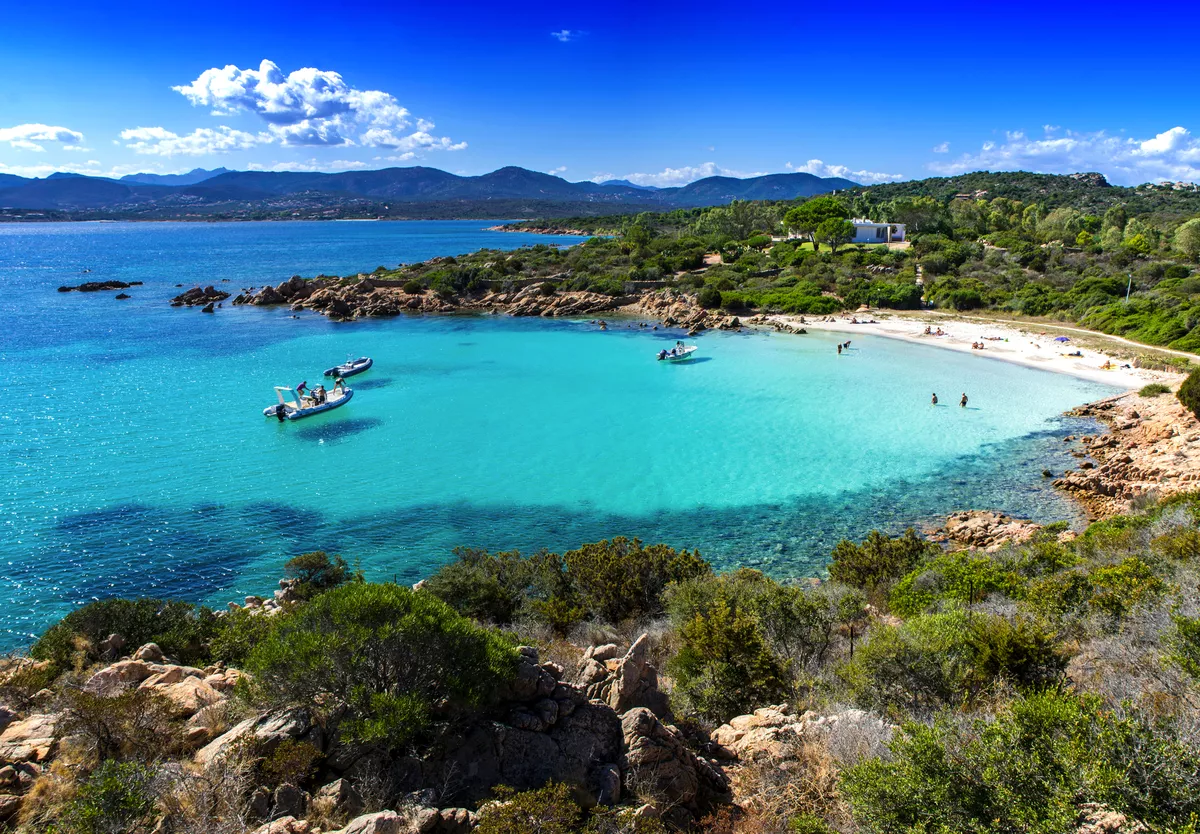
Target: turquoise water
x,y
138,460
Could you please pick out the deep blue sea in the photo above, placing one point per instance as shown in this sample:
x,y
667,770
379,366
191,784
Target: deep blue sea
x,y
137,459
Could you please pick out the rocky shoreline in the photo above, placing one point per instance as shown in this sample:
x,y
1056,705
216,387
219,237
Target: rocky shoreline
x,y
1152,446
1152,449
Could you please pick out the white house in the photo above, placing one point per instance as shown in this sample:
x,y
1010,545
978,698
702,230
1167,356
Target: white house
x,y
868,231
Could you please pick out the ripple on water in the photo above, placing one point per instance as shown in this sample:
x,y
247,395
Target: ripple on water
x,y
333,432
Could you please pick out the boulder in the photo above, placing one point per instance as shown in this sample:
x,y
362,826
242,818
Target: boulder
x,y
382,822
659,760
122,675
624,683
269,730
7,717
29,740
342,795
190,695
456,821
285,825
111,646
1099,819
290,801
9,807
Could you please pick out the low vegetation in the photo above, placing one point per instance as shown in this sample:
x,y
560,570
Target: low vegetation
x,y
1024,688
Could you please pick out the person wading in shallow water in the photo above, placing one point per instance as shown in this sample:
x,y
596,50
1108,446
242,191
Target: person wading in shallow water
x,y
963,402
935,398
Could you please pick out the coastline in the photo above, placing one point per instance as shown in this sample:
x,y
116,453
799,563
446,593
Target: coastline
x,y
1030,348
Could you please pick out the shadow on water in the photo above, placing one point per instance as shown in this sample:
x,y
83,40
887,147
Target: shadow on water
x,y
370,384
335,431
203,551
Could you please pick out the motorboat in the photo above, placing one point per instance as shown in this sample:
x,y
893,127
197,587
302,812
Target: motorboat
x,y
295,406
351,367
679,353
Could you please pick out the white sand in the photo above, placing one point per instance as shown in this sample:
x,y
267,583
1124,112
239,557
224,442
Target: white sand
x,y
1033,347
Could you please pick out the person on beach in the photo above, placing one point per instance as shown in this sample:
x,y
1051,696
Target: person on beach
x,y
963,402
935,398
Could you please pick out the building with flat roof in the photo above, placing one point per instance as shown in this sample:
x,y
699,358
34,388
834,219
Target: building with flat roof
x,y
868,231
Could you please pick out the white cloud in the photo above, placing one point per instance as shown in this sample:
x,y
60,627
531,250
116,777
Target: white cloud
x,y
942,148
669,177
822,169
556,171
312,107
158,141
91,168
311,165
1172,155
564,35
27,137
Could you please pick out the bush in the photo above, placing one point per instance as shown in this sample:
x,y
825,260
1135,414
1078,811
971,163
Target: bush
x,y
317,572
1154,389
389,653
413,287
723,667
1189,393
709,298
117,799
549,810
1030,769
962,577
179,628
941,659
623,579
134,725
879,560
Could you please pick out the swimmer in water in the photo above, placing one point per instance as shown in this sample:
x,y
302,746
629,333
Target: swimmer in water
x,y
935,398
963,402
839,349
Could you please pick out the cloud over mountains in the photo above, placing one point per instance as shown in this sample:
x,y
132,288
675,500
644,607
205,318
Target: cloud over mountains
x,y
1171,155
313,107
28,137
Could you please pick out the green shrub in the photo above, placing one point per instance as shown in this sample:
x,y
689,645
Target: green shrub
x,y
1189,393
413,287
1154,389
623,579
548,810
238,632
1117,589
1030,769
962,577
943,659
389,653
724,667
879,560
317,572
135,725
117,799
709,298
179,628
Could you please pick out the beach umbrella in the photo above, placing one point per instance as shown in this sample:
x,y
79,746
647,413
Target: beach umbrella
x,y
1061,339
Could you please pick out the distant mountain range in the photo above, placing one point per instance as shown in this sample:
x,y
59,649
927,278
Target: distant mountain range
x,y
391,192
190,178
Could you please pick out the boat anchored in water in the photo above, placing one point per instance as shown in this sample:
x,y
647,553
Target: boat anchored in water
x,y
351,367
294,405
679,353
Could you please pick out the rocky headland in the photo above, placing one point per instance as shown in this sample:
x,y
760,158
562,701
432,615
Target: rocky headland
x,y
1152,449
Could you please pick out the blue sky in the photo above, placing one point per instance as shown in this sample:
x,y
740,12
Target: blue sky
x,y
661,93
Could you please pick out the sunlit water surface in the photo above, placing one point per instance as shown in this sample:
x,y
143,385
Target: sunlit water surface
x,y
137,459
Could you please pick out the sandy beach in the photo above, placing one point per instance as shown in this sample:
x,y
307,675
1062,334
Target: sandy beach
x,y
1033,346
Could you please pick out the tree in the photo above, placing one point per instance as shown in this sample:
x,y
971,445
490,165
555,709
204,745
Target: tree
x,y
623,579
390,654
808,216
1187,239
317,572
833,233
724,666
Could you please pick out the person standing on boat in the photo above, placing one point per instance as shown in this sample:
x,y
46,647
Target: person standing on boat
x,y
339,385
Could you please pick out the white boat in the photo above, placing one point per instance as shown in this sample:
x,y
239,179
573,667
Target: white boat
x,y
293,406
677,354
351,367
